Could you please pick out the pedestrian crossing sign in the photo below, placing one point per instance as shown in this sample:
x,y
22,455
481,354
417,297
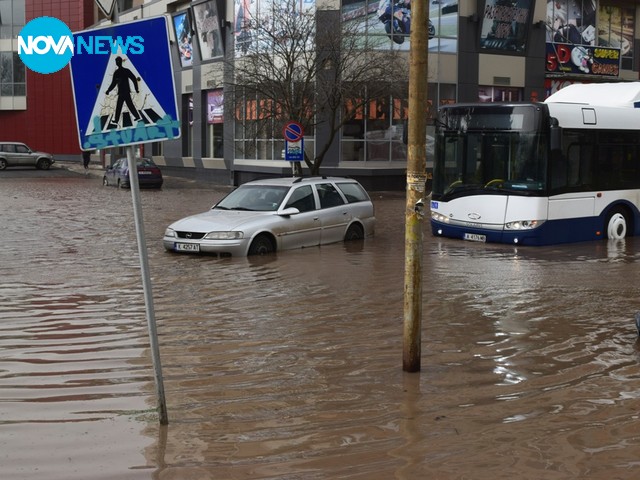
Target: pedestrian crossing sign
x,y
123,85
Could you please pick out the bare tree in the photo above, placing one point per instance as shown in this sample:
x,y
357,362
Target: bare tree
x,y
311,68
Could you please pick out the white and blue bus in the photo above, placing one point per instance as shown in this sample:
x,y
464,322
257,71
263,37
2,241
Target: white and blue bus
x,y
566,170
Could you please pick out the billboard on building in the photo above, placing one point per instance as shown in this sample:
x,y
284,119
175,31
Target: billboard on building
x,y
254,16
215,106
616,29
182,28
582,40
505,25
206,18
386,24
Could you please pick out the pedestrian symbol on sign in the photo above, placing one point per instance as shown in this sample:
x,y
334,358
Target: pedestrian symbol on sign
x,y
122,77
142,106
125,95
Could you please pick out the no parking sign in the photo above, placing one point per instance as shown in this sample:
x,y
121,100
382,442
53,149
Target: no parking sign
x,y
293,134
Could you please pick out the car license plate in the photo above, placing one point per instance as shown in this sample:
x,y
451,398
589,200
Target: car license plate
x,y
187,247
144,173
474,237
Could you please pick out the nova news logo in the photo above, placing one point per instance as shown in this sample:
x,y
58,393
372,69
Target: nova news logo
x,y
46,45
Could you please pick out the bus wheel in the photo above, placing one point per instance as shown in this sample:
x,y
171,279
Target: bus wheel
x,y
616,225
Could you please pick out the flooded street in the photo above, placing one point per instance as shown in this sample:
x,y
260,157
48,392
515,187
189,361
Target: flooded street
x,y
290,366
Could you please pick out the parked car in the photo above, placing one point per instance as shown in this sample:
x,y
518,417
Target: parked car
x,y
265,216
14,154
149,175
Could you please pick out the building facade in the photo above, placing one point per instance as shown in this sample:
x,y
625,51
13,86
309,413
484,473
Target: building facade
x,y
479,51
38,109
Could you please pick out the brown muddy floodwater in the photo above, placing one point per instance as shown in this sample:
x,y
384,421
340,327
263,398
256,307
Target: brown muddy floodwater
x,y
290,367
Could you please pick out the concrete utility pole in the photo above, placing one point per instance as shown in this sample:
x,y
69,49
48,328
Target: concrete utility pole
x,y
416,184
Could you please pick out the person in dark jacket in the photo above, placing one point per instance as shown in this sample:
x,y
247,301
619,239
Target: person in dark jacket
x,y
86,158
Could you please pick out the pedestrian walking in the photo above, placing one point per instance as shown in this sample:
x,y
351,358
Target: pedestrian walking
x,y
86,158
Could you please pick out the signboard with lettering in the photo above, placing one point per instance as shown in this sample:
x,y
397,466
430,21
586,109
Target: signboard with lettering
x,y
564,58
505,25
123,85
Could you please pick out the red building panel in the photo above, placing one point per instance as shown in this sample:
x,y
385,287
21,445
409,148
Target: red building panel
x,y
49,122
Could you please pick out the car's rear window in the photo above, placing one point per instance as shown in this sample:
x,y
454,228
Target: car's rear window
x,y
353,191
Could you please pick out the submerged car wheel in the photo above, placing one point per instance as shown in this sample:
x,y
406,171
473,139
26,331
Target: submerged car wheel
x,y
354,232
616,225
261,245
3,164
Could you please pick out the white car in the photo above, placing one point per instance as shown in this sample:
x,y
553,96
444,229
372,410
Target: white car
x,y
265,216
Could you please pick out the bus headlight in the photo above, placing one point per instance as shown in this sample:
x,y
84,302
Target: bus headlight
x,y
523,224
438,217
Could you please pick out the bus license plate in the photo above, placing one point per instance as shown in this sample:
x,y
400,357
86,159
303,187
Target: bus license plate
x,y
187,247
474,237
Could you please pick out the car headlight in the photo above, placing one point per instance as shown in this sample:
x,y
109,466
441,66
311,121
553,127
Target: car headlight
x,y
438,217
169,233
523,224
224,235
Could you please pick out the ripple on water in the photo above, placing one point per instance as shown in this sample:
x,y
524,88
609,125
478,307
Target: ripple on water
x,y
289,366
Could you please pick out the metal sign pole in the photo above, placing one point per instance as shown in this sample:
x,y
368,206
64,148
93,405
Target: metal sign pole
x,y
151,72
146,285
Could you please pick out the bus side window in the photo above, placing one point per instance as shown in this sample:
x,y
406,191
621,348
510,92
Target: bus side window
x,y
573,158
579,158
559,170
630,168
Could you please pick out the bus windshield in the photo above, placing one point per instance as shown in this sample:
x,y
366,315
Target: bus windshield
x,y
489,153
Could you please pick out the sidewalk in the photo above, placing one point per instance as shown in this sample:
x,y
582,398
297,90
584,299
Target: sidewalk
x,y
95,170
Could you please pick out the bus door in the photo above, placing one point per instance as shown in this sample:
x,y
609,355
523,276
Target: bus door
x,y
570,181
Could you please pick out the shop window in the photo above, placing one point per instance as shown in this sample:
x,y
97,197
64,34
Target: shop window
x,y
499,94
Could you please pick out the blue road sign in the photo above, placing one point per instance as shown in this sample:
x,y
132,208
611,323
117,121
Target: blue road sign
x,y
123,85
292,132
294,151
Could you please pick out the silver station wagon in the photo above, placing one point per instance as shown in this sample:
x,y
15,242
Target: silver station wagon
x,y
265,216
13,154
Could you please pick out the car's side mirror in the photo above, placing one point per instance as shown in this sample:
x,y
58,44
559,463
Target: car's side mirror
x,y
289,211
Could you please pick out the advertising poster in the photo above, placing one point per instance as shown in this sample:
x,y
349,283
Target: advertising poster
x,y
249,13
386,24
576,44
505,25
215,106
207,22
182,27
